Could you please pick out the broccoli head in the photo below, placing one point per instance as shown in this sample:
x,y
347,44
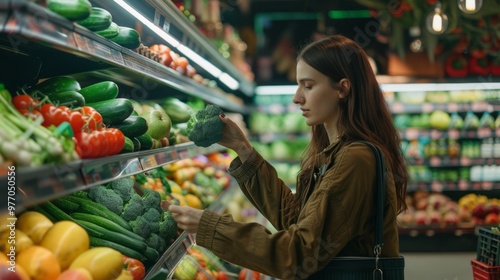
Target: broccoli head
x,y
151,198
153,217
168,226
141,227
124,187
205,128
133,208
156,242
107,197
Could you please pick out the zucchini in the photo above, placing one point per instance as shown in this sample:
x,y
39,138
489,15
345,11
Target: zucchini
x,y
101,91
99,19
133,126
128,147
110,235
91,207
71,99
113,111
127,37
151,254
105,223
110,32
146,141
55,85
73,10
99,242
177,110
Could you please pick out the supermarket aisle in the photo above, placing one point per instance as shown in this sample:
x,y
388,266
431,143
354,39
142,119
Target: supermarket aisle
x,y
439,266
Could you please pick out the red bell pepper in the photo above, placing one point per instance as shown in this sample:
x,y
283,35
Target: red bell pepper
x,y
495,67
479,66
456,65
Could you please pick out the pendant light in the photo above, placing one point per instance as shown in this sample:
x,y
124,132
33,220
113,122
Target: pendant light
x,y
437,21
470,6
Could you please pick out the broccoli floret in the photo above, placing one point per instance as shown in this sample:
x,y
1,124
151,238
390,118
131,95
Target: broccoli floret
x,y
205,128
153,217
168,227
141,227
156,242
124,187
107,197
151,198
133,208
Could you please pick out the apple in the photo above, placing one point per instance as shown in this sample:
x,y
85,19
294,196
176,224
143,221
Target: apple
x,y
421,217
450,218
493,208
75,274
491,218
479,211
6,274
159,124
435,217
156,144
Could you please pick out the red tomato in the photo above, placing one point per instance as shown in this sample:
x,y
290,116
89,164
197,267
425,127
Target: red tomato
x,y
118,140
92,118
32,114
88,143
135,267
254,275
76,121
24,101
102,139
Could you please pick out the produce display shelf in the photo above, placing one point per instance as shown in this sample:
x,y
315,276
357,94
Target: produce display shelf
x,y
36,185
169,15
178,249
31,30
460,185
418,133
444,161
477,107
428,238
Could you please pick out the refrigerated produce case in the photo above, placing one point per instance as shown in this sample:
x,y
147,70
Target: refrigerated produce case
x,y
36,43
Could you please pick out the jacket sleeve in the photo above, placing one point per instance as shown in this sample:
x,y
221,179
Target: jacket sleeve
x,y
261,185
325,225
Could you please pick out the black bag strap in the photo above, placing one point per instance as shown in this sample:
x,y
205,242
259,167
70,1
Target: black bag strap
x,y
379,196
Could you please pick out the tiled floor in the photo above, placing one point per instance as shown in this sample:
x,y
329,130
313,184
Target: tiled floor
x,y
439,266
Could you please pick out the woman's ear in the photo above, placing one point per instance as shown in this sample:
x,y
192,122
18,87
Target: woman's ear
x,y
345,87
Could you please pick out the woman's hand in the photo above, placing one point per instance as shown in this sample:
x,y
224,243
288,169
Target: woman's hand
x,y
187,218
234,138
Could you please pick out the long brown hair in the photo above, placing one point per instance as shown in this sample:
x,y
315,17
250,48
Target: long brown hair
x,y
363,113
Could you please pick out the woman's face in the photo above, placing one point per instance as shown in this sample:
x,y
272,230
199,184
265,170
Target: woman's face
x,y
317,97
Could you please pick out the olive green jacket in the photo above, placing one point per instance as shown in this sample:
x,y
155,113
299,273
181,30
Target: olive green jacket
x,y
336,220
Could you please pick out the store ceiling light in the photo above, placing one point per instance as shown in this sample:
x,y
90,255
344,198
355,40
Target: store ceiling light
x,y
164,35
388,87
229,81
196,58
190,54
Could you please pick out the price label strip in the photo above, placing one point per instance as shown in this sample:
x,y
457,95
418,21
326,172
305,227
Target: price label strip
x,y
148,162
46,30
97,49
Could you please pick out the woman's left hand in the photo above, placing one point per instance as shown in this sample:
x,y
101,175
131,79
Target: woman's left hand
x,y
187,218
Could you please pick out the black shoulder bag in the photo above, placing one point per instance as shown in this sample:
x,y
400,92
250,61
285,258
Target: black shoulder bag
x,y
368,268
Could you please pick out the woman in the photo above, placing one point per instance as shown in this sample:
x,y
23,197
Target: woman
x,y
332,213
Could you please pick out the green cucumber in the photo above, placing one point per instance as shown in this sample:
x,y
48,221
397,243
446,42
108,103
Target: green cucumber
x,y
110,235
56,85
128,147
110,32
66,205
56,212
133,126
91,207
101,91
137,144
99,242
113,111
127,37
73,10
146,141
99,19
71,99
40,210
177,110
105,223
151,254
